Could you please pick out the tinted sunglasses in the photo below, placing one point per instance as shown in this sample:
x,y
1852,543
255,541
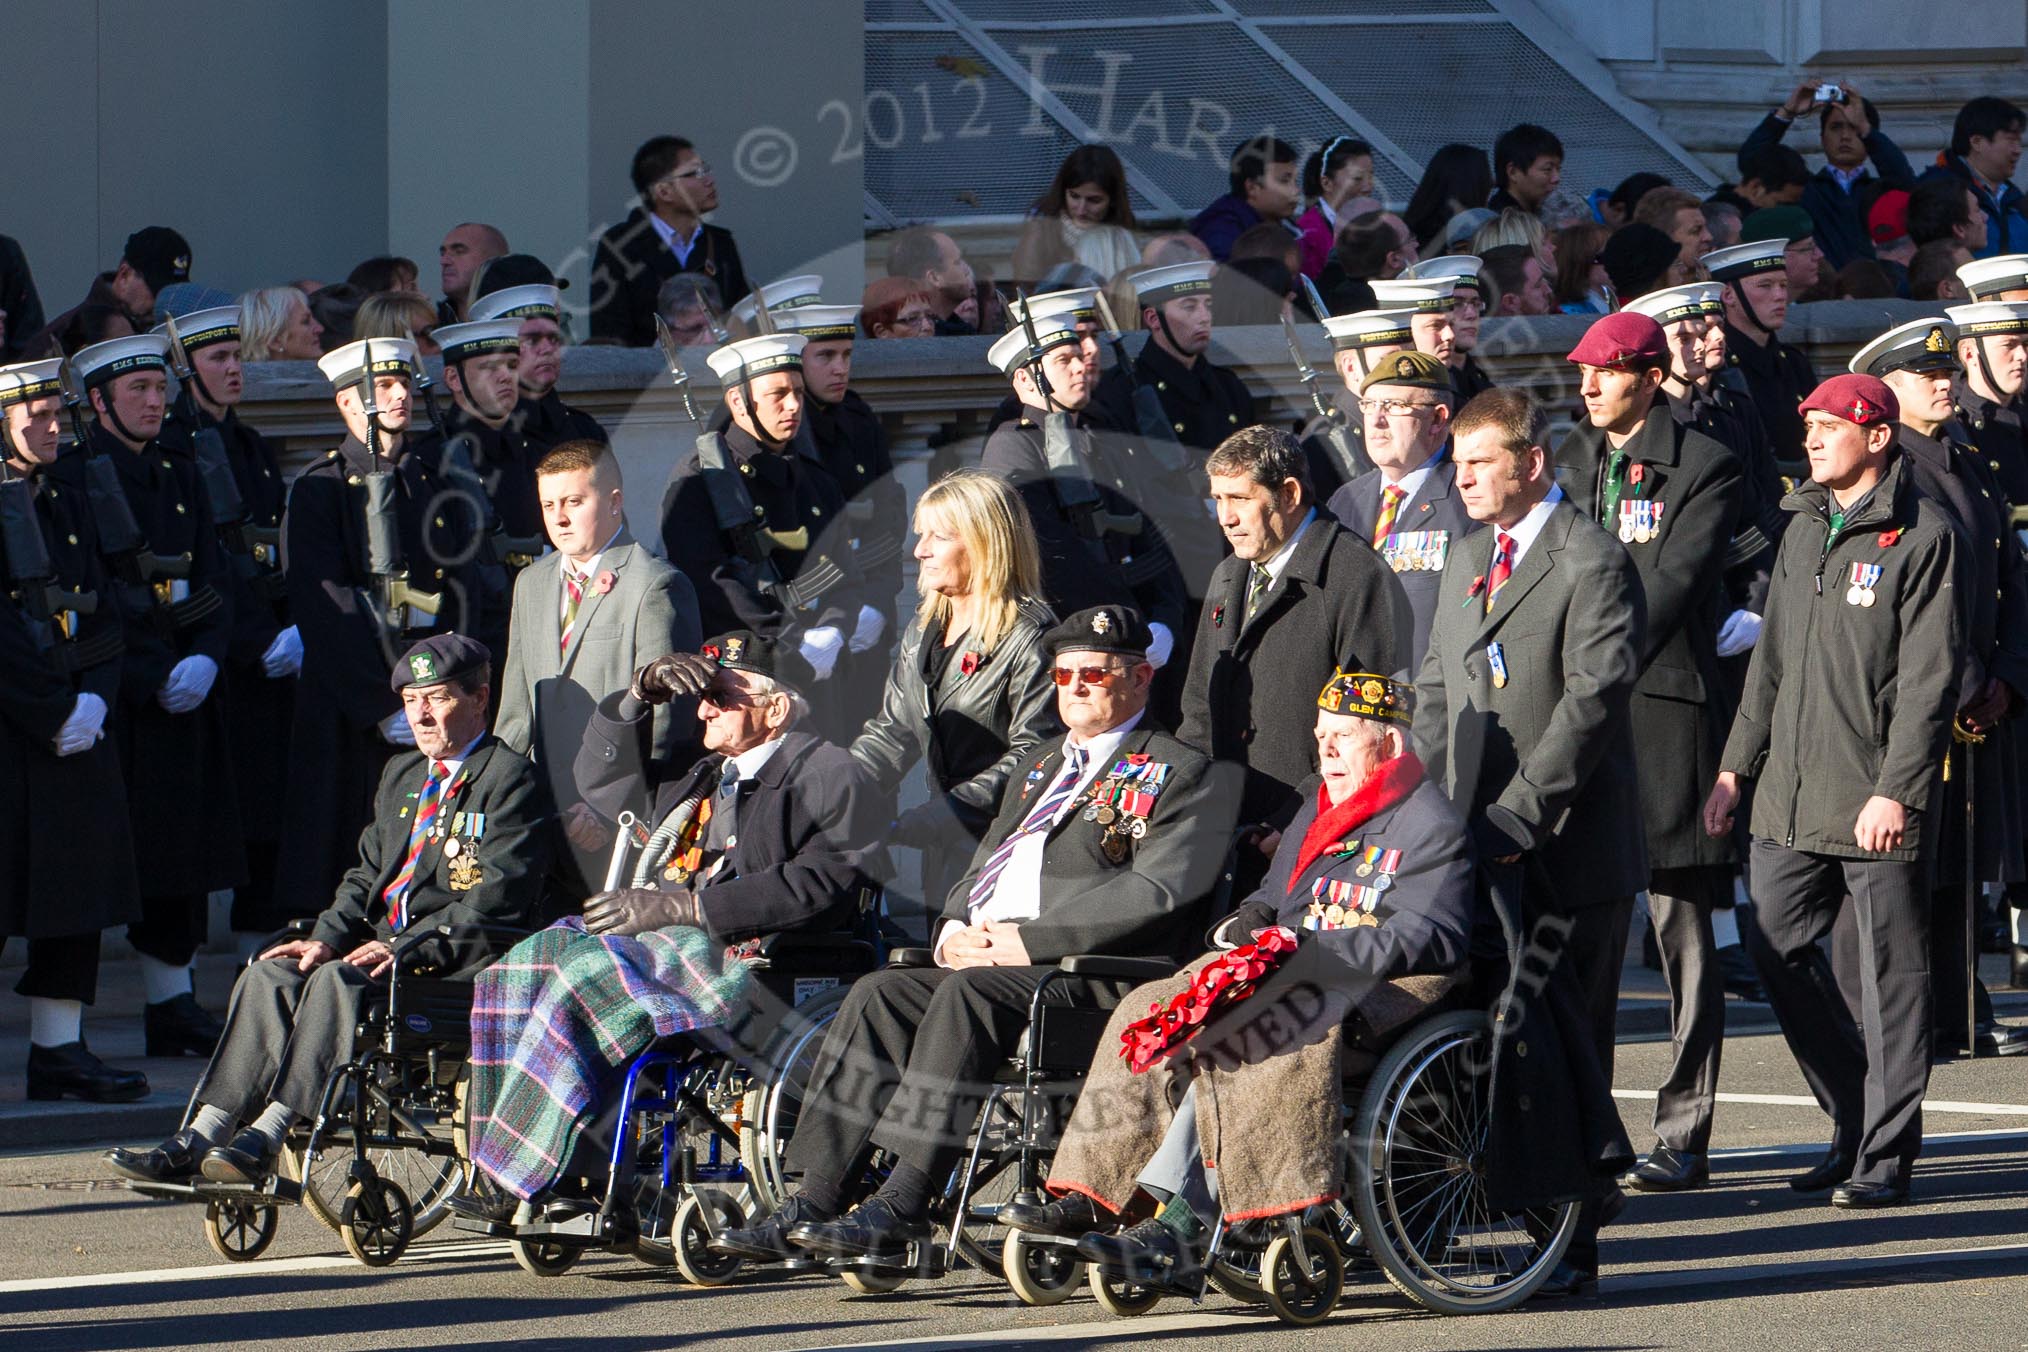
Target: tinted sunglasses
x,y
1088,675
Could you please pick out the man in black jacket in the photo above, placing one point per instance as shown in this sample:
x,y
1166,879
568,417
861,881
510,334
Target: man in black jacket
x,y
1756,302
459,835
520,287
1105,845
663,236
1837,196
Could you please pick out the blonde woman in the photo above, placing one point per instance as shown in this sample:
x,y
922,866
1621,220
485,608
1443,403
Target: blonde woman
x,y
398,314
275,324
969,693
1517,227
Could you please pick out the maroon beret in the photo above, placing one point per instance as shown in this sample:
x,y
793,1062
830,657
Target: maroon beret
x,y
1621,340
1864,400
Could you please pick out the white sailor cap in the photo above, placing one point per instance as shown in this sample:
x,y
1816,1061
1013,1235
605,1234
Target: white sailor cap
x,y
1080,303
1919,345
1987,277
1369,328
1989,317
28,380
478,338
787,293
1673,304
1010,352
1744,260
202,328
101,362
1155,285
820,323
1423,296
533,301
1460,269
348,365
757,356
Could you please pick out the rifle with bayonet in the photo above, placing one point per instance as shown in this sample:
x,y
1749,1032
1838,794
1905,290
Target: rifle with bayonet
x,y
1332,432
51,611
1150,417
392,595
120,538
1069,475
255,549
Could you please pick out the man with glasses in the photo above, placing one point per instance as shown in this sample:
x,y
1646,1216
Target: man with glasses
x,y
1105,845
523,288
664,235
1405,507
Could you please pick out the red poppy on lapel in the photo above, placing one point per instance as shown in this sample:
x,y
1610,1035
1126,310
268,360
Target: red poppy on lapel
x,y
968,663
603,583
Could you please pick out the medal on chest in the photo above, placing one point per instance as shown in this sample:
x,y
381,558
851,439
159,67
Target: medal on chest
x,y
1122,802
1640,520
1416,551
1864,577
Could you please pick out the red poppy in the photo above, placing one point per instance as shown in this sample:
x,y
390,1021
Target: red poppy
x,y
1218,985
1889,538
968,663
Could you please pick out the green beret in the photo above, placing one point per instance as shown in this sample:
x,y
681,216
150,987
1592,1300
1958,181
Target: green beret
x,y
1789,223
1417,370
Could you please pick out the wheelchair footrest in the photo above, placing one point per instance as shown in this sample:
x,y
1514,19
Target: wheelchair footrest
x,y
275,1192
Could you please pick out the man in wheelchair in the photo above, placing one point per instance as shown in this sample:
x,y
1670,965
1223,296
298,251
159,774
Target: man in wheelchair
x,y
1374,876
768,832
460,835
1104,846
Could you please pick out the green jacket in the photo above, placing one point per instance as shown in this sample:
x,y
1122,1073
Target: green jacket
x,y
1846,700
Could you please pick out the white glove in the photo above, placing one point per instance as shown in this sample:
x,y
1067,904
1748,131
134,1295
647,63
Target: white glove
x,y
867,632
85,725
1740,631
1163,646
395,729
189,682
821,648
284,656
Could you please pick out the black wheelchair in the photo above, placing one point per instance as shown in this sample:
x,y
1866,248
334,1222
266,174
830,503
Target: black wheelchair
x,y
384,1154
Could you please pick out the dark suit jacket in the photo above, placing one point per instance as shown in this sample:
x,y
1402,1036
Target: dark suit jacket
x,y
1252,687
1434,511
1547,760
512,850
1143,904
632,263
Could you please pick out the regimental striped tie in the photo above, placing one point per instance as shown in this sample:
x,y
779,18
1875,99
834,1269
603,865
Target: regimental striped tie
x,y
1259,579
426,805
1038,819
1503,566
573,595
1390,507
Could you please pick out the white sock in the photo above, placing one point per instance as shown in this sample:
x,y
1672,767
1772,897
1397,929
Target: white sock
x,y
274,1123
213,1124
1724,927
53,1023
162,981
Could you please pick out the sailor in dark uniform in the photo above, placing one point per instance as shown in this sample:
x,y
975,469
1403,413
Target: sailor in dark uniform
x,y
1205,402
1777,375
1468,307
1081,305
1336,445
542,418
174,596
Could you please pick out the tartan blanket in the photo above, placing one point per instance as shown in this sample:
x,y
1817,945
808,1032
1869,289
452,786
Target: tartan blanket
x,y
553,1019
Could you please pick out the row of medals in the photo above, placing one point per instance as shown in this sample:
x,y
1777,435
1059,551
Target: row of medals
x,y
1118,828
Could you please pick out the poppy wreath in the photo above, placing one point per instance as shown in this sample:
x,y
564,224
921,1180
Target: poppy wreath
x,y
1218,985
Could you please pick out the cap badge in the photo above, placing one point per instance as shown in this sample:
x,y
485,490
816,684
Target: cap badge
x,y
1101,623
1404,366
422,667
734,648
1372,691
1936,342
1861,411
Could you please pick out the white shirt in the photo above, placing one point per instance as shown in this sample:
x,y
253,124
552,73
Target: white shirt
x,y
1018,894
452,766
1528,527
1282,556
750,761
680,247
1411,483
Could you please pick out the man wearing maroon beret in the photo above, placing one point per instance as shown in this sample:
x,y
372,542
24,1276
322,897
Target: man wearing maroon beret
x,y
1673,498
1842,727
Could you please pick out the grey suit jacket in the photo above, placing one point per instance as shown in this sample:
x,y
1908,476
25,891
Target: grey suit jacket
x,y
548,692
1546,760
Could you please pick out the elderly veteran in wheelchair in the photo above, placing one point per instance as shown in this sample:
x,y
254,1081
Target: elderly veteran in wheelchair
x,y
1374,876
765,834
459,836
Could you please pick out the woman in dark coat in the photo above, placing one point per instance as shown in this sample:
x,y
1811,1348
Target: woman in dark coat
x,y
969,693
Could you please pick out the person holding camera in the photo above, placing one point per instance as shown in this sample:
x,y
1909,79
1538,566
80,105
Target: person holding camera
x,y
1836,195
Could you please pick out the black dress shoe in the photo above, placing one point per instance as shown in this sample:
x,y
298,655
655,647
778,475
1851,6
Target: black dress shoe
x,y
180,1026
173,1161
1148,1251
1870,1196
1067,1217
1565,1282
71,1071
767,1241
869,1230
1667,1170
246,1158
2000,1039
1833,1169
493,1206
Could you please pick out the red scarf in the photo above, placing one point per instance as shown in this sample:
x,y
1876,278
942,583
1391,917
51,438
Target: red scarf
x,y
1393,781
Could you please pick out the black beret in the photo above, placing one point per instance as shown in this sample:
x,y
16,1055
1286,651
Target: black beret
x,y
440,658
1637,258
1101,629
744,650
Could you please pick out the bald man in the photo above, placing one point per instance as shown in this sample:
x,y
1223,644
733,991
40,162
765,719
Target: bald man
x,y
465,250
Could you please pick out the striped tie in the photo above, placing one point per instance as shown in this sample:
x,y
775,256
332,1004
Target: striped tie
x,y
426,805
1503,566
1258,581
1039,819
573,593
1390,506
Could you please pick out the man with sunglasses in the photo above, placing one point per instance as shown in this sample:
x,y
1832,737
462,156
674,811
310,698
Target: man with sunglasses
x,y
1105,845
664,235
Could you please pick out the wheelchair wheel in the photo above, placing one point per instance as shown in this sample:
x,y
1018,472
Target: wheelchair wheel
x,y
239,1232
872,1281
376,1222
429,1180
1040,1274
1235,1272
1418,1178
690,1240
768,1113
1117,1295
1302,1290
540,1257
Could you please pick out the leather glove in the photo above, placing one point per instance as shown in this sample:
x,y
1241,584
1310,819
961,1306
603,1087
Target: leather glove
x,y
821,648
394,729
1740,632
1238,928
1164,644
672,677
284,656
629,911
85,725
868,631
189,682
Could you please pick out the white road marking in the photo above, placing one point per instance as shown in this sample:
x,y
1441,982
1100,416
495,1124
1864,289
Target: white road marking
x,y
260,1267
1805,1101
